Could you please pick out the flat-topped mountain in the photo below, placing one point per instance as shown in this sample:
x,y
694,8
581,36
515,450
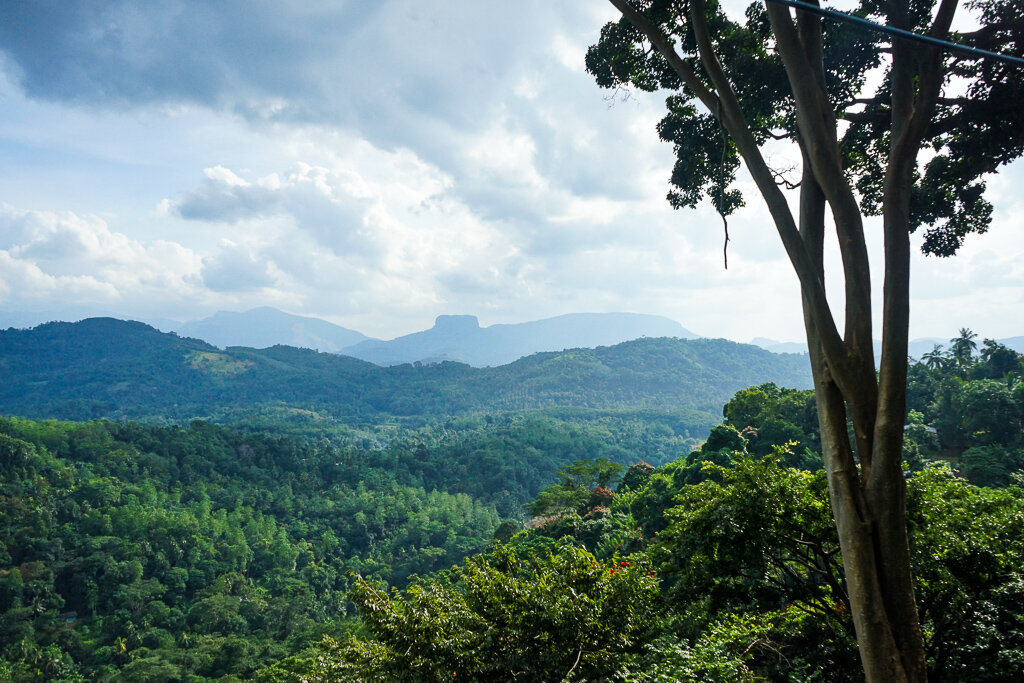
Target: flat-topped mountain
x,y
104,367
460,338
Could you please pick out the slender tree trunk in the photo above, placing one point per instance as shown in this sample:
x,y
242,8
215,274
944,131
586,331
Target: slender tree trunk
x,y
866,583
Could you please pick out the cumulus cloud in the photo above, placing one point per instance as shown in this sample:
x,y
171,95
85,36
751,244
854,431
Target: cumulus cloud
x,y
403,74
223,196
48,257
286,60
235,268
316,200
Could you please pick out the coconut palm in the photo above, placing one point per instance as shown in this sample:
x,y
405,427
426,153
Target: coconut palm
x,y
963,348
935,359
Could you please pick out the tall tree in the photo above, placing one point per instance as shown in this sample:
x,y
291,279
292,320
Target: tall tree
x,y
779,76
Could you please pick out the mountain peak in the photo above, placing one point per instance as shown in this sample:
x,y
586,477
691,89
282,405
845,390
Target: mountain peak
x,y
456,323
460,337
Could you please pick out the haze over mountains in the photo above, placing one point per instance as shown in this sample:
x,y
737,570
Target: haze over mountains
x,y
915,347
460,338
262,327
453,337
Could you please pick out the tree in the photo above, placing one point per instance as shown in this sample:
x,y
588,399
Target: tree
x,y
739,86
935,359
963,348
510,615
997,360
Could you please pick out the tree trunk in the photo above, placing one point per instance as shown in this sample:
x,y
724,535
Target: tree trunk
x,y
882,639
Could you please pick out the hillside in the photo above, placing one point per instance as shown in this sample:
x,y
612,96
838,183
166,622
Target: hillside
x,y
103,367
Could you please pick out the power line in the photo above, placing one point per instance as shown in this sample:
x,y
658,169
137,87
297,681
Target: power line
x,y
900,33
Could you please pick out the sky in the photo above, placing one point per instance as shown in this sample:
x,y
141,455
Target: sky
x,y
377,164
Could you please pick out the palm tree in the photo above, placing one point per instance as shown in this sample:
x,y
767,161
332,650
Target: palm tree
x,y
963,348
935,359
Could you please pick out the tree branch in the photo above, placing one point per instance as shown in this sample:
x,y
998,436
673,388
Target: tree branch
x,y
854,372
734,122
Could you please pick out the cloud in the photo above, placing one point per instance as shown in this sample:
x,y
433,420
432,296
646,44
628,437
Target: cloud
x,y
223,196
335,207
401,73
32,285
50,258
305,61
236,269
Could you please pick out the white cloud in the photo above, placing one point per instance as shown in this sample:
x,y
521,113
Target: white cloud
x,y
64,259
235,268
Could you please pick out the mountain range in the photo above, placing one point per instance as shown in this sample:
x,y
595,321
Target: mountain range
x,y
453,337
103,367
262,327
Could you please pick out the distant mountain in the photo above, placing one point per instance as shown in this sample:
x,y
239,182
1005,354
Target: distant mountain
x,y
460,338
1015,343
263,327
779,347
104,367
915,347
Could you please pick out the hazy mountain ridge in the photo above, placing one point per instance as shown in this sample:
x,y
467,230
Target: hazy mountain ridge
x,y
110,368
453,337
915,347
460,337
263,327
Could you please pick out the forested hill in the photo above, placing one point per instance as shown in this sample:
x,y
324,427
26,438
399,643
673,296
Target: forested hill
x,y
102,367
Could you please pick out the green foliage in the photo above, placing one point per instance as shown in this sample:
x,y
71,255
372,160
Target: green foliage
x,y
992,465
636,477
132,552
968,409
581,486
565,616
167,553
753,586
971,135
768,416
732,650
758,534
967,549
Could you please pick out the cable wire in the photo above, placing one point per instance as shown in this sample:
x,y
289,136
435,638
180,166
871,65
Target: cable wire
x,y
976,53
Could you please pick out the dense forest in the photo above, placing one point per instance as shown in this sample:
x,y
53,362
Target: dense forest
x,y
569,543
